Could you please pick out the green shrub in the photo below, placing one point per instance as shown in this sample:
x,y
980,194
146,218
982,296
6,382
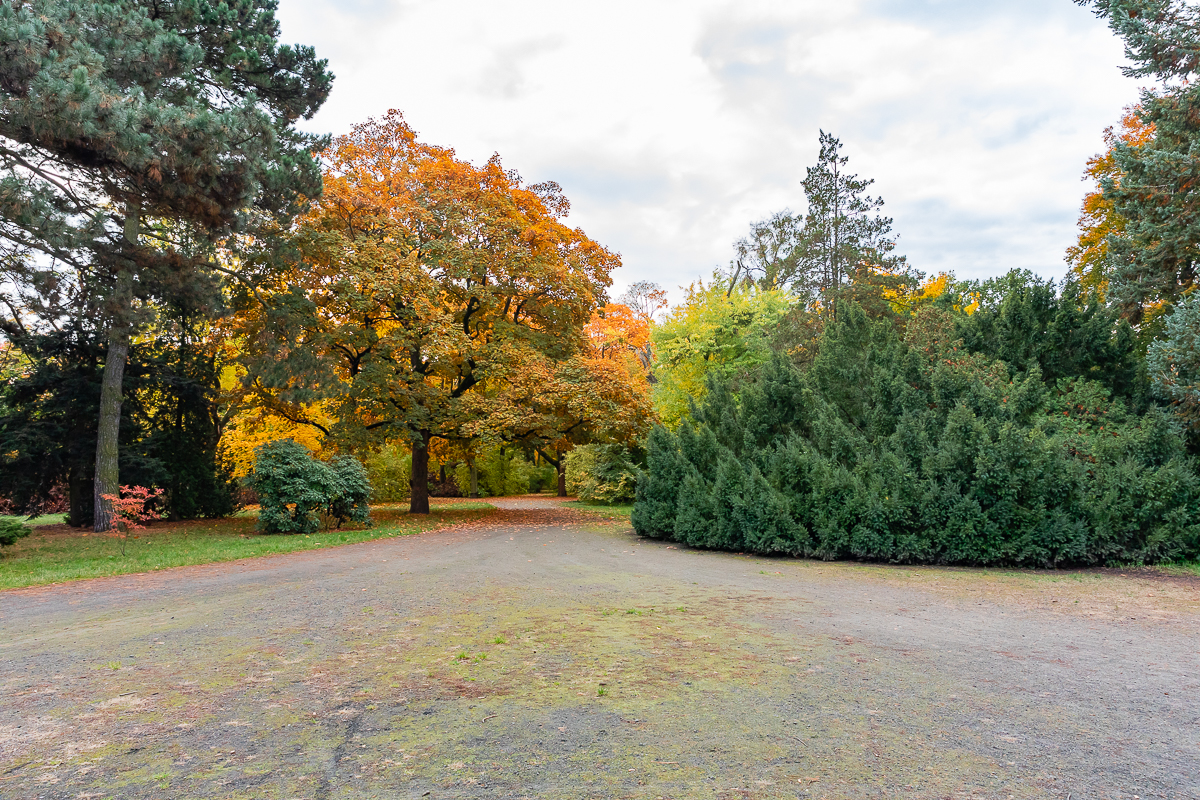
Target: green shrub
x,y
11,530
390,471
352,490
298,493
601,473
920,450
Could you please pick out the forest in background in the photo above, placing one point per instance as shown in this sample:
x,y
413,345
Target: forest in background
x,y
178,300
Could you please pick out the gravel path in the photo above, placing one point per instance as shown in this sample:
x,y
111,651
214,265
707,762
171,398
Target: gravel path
x,y
550,653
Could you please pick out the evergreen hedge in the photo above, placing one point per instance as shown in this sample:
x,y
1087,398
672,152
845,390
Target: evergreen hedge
x,y
920,450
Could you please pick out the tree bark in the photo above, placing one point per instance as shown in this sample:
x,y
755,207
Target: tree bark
x,y
474,476
561,466
107,475
419,497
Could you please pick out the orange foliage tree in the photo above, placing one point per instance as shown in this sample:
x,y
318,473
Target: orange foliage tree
x,y
1099,219
419,287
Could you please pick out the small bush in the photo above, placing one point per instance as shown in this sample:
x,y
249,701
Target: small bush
x,y
135,505
601,473
11,530
297,492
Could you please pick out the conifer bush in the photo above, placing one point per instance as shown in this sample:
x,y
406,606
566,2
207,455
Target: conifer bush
x,y
923,450
11,531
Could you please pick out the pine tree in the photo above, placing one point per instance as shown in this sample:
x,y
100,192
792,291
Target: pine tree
x,y
133,136
845,242
1152,188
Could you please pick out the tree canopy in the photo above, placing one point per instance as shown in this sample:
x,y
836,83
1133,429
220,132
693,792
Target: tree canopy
x,y
133,137
421,281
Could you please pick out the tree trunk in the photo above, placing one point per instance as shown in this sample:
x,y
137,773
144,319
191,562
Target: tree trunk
x,y
474,476
561,466
107,475
419,497
108,479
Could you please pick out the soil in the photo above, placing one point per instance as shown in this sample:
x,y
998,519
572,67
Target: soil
x,y
547,652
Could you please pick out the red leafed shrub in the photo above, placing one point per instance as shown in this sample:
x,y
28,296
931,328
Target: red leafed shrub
x,y
135,505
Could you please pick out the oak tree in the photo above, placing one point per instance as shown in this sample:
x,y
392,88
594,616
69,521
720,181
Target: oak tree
x,y
420,281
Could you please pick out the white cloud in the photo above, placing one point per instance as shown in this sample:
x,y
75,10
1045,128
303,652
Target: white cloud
x,y
672,124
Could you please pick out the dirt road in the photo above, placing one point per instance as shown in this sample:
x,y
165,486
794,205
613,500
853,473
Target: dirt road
x,y
547,653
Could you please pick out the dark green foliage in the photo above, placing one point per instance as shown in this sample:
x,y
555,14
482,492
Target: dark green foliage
x,y
48,423
169,429
919,450
1026,322
352,489
11,530
1173,363
657,493
292,487
296,490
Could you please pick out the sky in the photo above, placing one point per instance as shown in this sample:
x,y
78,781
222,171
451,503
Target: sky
x,y
672,125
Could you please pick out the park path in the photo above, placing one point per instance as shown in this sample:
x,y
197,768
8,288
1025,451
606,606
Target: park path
x,y
549,653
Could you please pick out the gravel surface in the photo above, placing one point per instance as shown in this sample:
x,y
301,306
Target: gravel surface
x,y
549,653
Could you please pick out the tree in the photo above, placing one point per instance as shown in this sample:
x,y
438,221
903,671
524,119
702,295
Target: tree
x,y
1089,257
715,330
644,300
845,241
1032,324
170,422
1174,363
554,405
769,256
916,450
133,136
1152,183
840,248
419,281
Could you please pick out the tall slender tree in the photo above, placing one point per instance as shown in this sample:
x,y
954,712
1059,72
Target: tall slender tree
x,y
118,116
845,240
842,246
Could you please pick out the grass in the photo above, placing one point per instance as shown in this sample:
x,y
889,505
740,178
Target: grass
x,y
615,510
55,553
45,519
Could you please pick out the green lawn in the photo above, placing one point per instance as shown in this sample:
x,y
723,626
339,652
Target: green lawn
x,y
57,553
619,509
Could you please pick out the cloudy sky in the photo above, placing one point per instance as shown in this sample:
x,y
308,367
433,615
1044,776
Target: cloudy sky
x,y
672,124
